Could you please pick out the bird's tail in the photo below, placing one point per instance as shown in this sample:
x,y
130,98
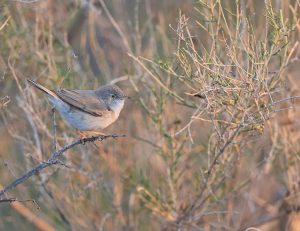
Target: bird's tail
x,y
43,89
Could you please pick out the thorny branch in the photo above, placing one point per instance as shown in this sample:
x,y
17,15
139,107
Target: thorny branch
x,y
54,159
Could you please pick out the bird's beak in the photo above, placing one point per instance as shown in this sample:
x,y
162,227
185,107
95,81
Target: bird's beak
x,y
126,97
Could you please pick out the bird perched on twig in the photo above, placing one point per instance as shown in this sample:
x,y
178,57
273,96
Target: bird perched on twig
x,y
87,110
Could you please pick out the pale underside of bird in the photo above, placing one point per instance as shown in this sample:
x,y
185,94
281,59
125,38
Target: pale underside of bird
x,y
87,110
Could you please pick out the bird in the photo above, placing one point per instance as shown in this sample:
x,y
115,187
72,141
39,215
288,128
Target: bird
x,y
86,110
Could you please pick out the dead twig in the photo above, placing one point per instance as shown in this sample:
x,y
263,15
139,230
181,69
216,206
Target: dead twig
x,y
52,161
213,164
4,101
54,129
286,99
14,199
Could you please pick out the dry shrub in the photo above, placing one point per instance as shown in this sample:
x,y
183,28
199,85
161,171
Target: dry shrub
x,y
211,138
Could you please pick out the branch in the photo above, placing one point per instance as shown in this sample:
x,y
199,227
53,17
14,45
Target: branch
x,y
52,161
4,101
286,99
213,164
13,199
54,129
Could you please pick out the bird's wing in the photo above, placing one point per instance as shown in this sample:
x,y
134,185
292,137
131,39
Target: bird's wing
x,y
83,100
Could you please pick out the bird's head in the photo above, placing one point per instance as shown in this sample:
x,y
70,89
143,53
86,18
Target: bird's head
x,y
112,96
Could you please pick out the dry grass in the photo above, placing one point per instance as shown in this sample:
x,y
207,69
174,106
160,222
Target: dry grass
x,y
212,133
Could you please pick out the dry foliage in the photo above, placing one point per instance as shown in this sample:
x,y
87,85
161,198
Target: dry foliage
x,y
212,134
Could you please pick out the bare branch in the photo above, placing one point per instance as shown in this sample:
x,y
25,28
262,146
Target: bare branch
x,y
14,199
116,26
213,164
52,161
4,101
286,99
54,129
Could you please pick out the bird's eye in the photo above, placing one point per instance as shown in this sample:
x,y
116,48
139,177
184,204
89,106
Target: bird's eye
x,y
113,96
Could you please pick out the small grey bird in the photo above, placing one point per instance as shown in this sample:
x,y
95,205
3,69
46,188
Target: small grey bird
x,y
87,110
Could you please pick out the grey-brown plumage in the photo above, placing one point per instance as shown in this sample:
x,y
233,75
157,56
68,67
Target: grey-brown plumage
x,y
87,110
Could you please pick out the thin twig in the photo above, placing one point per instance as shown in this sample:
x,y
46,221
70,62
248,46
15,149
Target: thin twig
x,y
265,221
22,104
14,199
147,141
116,26
193,206
8,200
54,129
4,101
5,23
52,161
54,202
286,99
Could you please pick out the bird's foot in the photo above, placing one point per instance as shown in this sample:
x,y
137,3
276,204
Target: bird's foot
x,y
82,136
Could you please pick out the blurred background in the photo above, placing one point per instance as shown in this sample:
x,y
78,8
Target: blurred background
x,y
212,128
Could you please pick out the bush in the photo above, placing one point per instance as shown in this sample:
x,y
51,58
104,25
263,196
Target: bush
x,y
212,140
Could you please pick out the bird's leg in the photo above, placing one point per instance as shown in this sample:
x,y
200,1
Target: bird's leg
x,y
82,136
93,133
